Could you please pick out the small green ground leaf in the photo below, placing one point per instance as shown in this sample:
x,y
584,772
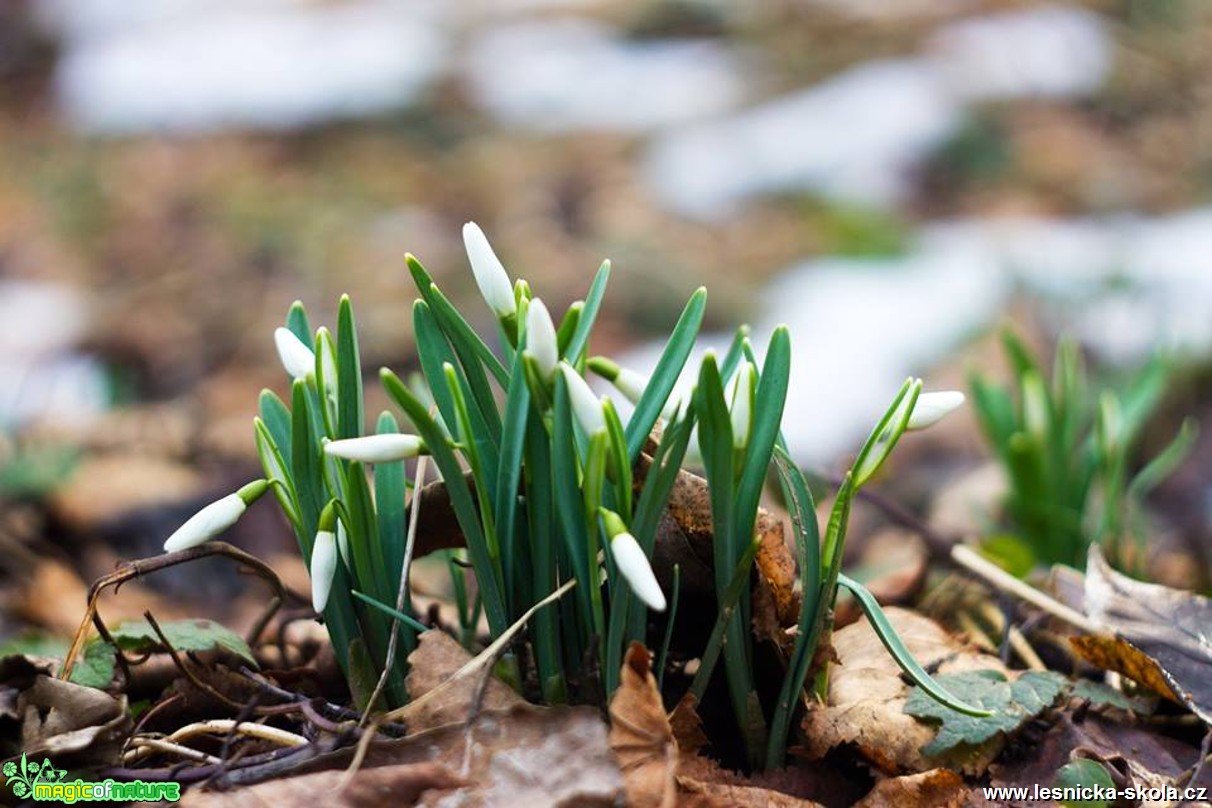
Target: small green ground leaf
x,y
183,635
1012,704
1087,773
95,668
1036,691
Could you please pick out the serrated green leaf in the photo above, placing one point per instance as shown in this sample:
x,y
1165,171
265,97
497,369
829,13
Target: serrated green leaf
x,y
1011,705
138,636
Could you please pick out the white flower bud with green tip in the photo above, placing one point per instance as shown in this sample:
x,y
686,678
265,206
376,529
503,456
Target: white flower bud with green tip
x,y
931,408
630,561
740,410
323,569
297,358
541,342
215,518
489,272
385,448
585,405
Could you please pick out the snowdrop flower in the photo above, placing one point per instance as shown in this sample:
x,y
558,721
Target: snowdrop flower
x,y
631,562
930,408
215,518
741,409
383,448
323,568
585,405
489,272
541,344
296,357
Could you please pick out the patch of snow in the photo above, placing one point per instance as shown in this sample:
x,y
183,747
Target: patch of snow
x,y
1046,51
569,75
854,136
1127,287
857,135
269,65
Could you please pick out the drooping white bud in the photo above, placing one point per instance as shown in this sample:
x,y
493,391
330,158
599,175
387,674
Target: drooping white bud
x,y
586,407
541,343
323,568
384,448
631,562
931,408
297,358
489,271
215,518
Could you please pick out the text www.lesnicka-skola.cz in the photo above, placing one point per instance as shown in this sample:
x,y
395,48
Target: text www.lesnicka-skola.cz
x,y
1143,793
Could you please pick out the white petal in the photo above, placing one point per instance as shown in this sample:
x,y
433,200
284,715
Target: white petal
x,y
206,523
585,405
489,272
930,408
631,562
541,344
376,448
323,568
296,357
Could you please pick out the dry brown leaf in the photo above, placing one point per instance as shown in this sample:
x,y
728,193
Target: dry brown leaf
x,y
524,756
687,726
62,720
105,487
867,696
1160,635
387,786
937,788
641,736
431,665
723,795
532,757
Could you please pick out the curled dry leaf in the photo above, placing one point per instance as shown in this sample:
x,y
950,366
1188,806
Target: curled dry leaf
x,y
66,721
657,753
867,695
641,736
1157,636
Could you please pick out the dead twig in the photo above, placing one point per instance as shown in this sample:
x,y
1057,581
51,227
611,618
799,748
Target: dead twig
x,y
138,568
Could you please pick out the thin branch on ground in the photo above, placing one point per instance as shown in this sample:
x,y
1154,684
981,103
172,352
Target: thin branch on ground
x,y
138,568
969,559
